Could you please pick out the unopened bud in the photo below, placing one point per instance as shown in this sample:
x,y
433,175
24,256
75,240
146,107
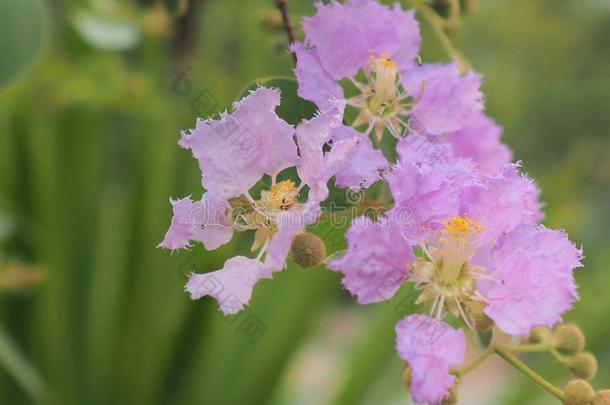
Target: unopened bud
x,y
540,335
578,392
602,398
451,398
476,310
406,376
583,365
307,250
568,339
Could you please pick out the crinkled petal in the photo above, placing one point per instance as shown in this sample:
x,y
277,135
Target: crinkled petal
x,y
338,38
534,285
429,181
315,84
231,286
205,221
377,259
502,202
361,164
312,135
479,140
449,100
237,150
432,348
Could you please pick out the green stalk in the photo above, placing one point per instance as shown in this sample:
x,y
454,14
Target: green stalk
x,y
529,373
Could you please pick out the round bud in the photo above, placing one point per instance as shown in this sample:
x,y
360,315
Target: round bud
x,y
568,339
583,365
476,310
602,398
307,250
540,335
406,376
578,392
451,398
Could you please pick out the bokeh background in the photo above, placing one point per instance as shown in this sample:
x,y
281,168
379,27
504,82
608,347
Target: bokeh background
x,y
93,95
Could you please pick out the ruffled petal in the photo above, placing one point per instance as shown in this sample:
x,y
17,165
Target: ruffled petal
x,y
377,259
237,150
431,348
449,100
205,221
314,168
533,268
429,181
479,140
339,40
231,286
502,202
361,164
315,84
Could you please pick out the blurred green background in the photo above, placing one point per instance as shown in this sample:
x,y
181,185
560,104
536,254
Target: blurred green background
x,y
92,100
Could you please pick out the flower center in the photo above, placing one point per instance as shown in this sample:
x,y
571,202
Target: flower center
x,y
445,275
280,197
382,101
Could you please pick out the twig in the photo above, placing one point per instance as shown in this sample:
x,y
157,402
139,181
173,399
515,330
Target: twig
x,y
281,5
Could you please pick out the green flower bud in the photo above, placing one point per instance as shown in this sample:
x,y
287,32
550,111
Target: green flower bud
x,y
568,339
602,398
578,392
583,365
451,398
540,335
476,310
307,250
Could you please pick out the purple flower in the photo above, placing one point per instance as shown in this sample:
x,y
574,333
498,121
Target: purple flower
x,y
342,40
431,348
234,154
478,240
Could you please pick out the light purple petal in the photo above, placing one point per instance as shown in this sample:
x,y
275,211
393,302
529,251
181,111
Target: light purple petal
x,y
449,100
231,286
312,135
479,139
502,202
205,221
361,163
339,40
429,182
431,348
377,260
237,150
315,84
534,284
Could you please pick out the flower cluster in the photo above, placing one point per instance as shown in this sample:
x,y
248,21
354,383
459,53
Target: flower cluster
x,y
473,245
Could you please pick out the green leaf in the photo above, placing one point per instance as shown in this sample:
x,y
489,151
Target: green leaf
x,y
20,369
22,25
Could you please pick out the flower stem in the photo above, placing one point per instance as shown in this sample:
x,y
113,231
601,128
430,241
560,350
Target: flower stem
x,y
532,348
281,6
529,373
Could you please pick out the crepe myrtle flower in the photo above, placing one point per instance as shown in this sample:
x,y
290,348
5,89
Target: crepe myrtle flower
x,y
473,251
372,49
242,149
